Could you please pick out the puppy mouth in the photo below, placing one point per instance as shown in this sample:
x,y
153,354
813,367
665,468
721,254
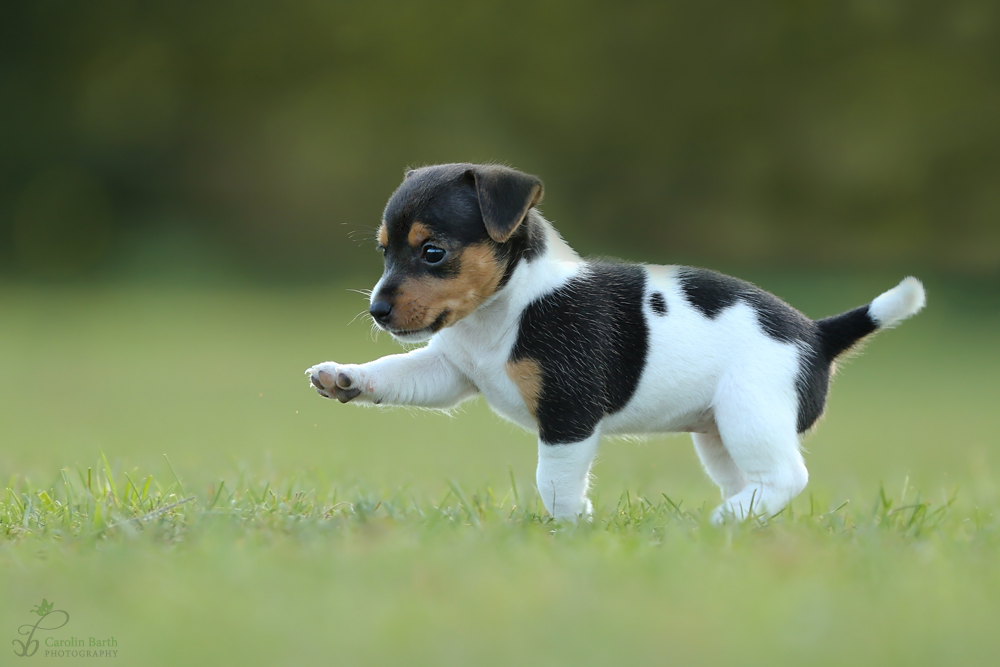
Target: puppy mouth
x,y
422,333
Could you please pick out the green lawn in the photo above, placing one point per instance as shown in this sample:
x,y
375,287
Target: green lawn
x,y
172,482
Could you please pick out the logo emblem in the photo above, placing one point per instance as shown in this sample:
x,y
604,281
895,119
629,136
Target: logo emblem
x,y
44,610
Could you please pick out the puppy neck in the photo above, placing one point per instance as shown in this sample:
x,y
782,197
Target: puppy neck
x,y
530,279
556,249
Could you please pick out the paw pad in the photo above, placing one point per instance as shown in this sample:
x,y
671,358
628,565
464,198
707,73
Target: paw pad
x,y
336,384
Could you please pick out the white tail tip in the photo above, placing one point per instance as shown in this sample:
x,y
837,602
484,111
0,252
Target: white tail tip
x,y
902,301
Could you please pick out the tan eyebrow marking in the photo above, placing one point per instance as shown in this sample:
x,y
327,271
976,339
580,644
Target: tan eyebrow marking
x,y
383,235
418,234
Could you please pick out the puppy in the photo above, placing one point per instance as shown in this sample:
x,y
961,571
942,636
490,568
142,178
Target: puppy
x,y
574,349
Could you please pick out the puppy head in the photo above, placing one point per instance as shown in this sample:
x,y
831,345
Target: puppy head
x,y
451,235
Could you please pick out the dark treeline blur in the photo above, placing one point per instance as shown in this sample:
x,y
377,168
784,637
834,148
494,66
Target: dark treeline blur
x,y
266,136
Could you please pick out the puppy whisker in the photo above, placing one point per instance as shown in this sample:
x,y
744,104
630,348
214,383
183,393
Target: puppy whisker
x,y
363,314
362,234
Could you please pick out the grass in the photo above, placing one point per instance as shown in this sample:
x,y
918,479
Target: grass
x,y
283,573
172,483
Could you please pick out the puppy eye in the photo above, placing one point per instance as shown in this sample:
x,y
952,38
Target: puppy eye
x,y
380,248
432,254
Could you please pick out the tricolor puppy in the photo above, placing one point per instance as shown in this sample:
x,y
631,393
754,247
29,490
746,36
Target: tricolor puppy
x,y
574,349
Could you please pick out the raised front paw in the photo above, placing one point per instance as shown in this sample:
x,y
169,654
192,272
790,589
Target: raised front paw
x,y
335,381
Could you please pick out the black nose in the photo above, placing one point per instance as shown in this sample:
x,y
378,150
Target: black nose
x,y
380,310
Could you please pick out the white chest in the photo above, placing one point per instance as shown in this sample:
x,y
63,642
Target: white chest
x,y
487,368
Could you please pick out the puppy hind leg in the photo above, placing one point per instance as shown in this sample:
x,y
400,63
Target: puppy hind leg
x,y
770,485
563,477
763,443
718,463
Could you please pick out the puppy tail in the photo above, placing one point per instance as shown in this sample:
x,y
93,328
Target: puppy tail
x,y
841,332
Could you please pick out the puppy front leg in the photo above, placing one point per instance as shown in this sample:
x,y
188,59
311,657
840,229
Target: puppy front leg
x,y
563,477
423,378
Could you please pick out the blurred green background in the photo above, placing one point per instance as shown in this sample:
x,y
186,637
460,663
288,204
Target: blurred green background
x,y
245,136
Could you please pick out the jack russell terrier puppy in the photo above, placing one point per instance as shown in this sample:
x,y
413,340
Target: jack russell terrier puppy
x,y
574,349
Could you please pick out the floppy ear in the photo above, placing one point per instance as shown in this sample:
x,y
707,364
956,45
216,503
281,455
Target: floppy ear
x,y
505,196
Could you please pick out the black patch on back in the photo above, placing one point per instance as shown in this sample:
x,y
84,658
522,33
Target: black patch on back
x,y
658,303
708,291
591,339
711,293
